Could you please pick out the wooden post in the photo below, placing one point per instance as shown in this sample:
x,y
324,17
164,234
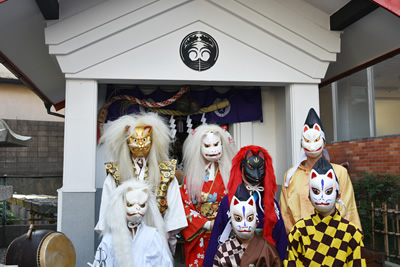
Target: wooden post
x,y
373,225
32,218
393,232
397,229
386,237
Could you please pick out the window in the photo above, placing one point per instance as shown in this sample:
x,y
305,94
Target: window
x,y
387,96
364,104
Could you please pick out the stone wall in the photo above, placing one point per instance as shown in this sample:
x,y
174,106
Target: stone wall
x,y
380,155
38,167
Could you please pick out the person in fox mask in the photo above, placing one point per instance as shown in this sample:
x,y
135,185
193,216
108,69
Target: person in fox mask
x,y
207,155
293,200
244,248
138,146
325,238
252,166
134,233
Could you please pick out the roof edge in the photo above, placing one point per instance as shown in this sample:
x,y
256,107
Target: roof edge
x,y
360,67
391,6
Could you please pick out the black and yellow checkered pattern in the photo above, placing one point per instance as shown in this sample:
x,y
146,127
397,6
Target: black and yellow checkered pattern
x,y
325,241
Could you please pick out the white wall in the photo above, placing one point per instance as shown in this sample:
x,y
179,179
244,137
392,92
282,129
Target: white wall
x,y
265,133
20,103
385,110
269,133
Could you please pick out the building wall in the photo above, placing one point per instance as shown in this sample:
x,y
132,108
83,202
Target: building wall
x,y
18,102
379,155
42,159
38,167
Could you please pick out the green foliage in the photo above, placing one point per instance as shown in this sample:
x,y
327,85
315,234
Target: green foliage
x,y
376,188
9,215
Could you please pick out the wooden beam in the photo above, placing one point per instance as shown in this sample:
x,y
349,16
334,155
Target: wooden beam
x,y
360,67
49,8
350,13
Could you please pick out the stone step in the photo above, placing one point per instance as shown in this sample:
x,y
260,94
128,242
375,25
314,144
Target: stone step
x,y
6,192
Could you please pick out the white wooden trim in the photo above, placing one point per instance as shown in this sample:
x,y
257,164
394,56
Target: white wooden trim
x,y
80,136
306,48
299,99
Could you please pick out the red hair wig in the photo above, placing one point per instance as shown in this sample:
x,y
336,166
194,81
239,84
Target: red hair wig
x,y
269,185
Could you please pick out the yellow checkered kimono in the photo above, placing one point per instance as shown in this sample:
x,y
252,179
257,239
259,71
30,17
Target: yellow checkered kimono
x,y
325,241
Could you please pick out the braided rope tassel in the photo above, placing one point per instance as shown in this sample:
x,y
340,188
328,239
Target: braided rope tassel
x,y
104,110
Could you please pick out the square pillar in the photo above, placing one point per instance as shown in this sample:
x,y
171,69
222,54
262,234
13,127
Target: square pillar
x,y
76,198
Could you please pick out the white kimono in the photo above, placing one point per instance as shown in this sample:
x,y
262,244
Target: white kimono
x,y
147,250
174,218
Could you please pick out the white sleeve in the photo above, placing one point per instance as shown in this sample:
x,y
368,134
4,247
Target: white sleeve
x,y
174,218
158,255
104,255
108,187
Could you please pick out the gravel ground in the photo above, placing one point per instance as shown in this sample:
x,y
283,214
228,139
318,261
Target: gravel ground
x,y
2,253
177,263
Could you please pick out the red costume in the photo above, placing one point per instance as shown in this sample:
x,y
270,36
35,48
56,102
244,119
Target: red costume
x,y
198,214
207,155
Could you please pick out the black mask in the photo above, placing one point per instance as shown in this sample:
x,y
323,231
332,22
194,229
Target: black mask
x,y
254,167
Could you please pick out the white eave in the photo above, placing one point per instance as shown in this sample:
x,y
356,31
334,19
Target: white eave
x,y
260,41
6,74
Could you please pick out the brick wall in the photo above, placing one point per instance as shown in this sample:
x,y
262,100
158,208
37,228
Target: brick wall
x,y
42,158
379,155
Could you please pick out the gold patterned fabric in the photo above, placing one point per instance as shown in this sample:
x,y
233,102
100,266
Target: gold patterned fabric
x,y
167,171
113,169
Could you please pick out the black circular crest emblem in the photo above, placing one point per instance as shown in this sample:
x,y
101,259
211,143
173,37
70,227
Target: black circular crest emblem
x,y
199,51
